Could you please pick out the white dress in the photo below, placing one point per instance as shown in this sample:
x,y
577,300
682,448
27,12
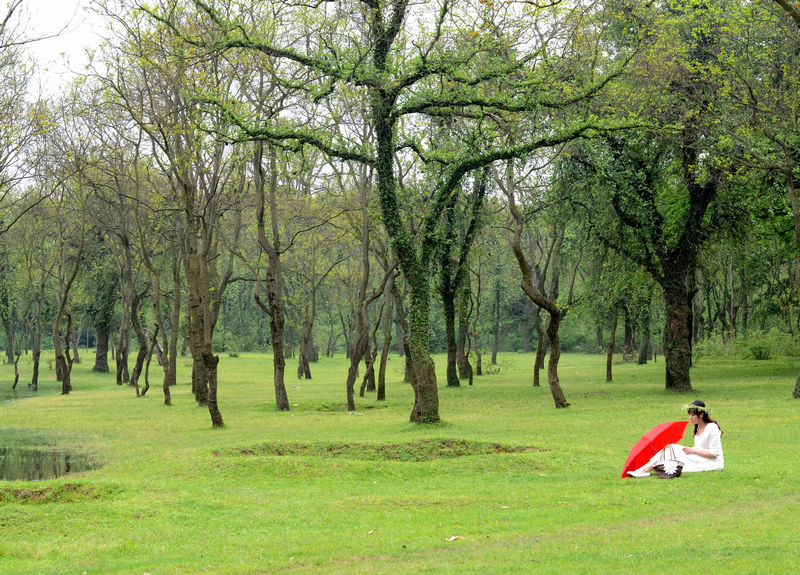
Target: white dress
x,y
709,440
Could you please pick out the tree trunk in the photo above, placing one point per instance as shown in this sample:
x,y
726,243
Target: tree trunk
x,y
368,382
388,296
63,359
17,355
496,322
462,359
150,348
361,337
541,346
536,296
303,366
402,321
449,304
359,349
414,266
141,355
612,340
790,187
266,197
677,352
629,345
36,345
101,352
171,374
211,361
73,341
455,274
525,326
552,366
644,346
204,362
123,344
8,323
474,337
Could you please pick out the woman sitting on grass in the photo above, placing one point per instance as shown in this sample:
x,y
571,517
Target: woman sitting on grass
x,y
706,455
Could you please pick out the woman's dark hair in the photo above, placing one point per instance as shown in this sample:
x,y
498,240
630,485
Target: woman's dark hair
x,y
703,413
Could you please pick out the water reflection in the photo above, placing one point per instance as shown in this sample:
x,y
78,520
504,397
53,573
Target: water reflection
x,y
30,464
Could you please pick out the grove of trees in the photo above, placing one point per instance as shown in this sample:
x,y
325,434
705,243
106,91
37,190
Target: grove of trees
x,y
383,177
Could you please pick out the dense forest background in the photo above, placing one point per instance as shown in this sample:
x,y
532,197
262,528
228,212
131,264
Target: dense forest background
x,y
379,176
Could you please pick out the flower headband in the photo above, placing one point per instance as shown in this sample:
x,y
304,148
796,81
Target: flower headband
x,y
697,408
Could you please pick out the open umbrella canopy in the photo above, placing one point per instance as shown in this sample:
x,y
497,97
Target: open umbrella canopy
x,y
652,442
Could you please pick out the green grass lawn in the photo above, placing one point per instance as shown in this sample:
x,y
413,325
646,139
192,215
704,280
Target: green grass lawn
x,y
542,494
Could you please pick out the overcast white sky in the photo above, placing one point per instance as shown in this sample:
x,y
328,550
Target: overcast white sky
x,y
59,57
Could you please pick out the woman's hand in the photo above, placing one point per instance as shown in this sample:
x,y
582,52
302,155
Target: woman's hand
x,y
700,452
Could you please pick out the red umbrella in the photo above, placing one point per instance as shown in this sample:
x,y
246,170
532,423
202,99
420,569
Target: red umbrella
x,y
652,442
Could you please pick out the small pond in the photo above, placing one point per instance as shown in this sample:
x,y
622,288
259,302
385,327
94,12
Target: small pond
x,y
27,458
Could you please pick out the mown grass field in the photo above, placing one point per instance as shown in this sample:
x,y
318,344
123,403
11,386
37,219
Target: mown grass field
x,y
320,490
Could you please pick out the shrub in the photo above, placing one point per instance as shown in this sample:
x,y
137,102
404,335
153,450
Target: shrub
x,y
754,344
760,350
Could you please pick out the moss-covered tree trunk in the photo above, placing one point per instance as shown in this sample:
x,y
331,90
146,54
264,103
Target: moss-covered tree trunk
x,y
423,378
677,349
382,101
